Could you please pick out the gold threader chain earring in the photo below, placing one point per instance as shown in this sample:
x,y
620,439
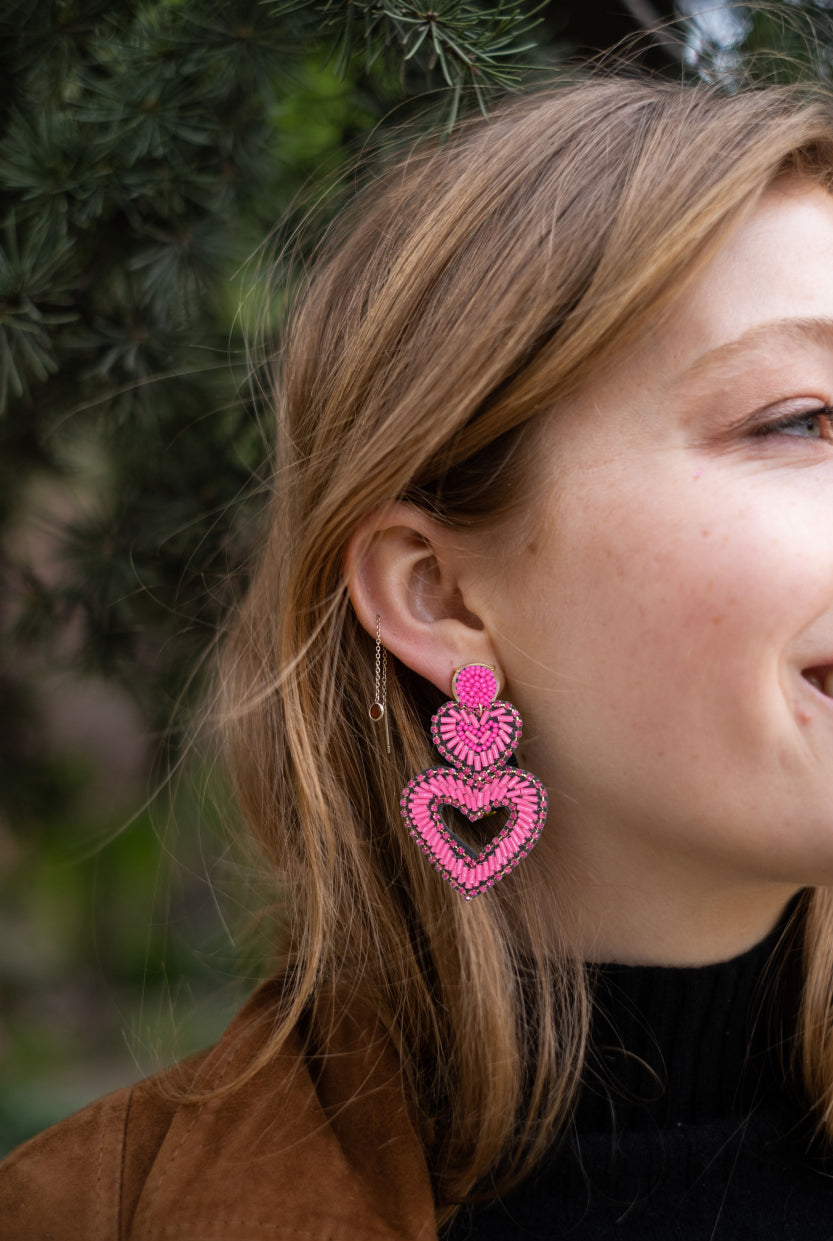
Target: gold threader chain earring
x,y
379,707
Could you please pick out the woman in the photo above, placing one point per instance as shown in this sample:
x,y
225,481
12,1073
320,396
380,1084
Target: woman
x,y
556,404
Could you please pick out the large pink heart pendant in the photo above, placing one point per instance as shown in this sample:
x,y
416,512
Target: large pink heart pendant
x,y
477,735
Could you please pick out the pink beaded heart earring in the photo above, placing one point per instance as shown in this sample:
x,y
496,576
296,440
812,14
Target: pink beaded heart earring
x,y
477,735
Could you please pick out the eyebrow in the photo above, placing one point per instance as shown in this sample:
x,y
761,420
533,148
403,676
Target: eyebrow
x,y
818,331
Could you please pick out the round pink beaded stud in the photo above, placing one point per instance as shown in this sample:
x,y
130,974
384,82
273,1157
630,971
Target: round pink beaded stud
x,y
474,686
477,735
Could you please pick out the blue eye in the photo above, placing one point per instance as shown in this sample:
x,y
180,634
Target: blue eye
x,y
812,424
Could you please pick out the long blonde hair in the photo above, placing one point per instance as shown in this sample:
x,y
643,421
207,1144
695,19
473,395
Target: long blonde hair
x,y
471,287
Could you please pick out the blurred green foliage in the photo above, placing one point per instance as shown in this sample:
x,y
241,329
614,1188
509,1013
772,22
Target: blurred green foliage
x,y
114,960
145,152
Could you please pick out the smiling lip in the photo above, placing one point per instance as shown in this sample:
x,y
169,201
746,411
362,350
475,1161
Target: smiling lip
x,y
821,678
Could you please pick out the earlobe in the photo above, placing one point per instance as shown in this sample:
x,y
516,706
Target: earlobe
x,y
403,566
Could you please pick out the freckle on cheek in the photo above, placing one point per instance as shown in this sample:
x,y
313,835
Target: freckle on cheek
x,y
717,620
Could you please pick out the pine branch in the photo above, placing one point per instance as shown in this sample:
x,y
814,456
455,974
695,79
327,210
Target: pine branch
x,y
471,46
30,273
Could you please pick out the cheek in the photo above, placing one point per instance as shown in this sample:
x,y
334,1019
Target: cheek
x,y
662,615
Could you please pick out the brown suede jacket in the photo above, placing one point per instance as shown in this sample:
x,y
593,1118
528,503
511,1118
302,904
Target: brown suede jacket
x,y
311,1149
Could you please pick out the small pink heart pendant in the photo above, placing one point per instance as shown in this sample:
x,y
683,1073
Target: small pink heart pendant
x,y
476,742
477,735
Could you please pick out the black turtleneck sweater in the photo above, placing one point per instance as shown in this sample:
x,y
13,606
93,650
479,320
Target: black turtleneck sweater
x,y
684,1129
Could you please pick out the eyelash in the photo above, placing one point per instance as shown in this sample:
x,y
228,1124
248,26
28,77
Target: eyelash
x,y
795,420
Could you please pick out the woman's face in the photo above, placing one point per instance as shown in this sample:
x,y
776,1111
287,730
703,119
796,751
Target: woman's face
x,y
668,631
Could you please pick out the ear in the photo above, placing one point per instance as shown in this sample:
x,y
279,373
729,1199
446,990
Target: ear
x,y
410,570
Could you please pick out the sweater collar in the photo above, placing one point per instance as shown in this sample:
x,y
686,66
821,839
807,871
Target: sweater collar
x,y
681,1045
